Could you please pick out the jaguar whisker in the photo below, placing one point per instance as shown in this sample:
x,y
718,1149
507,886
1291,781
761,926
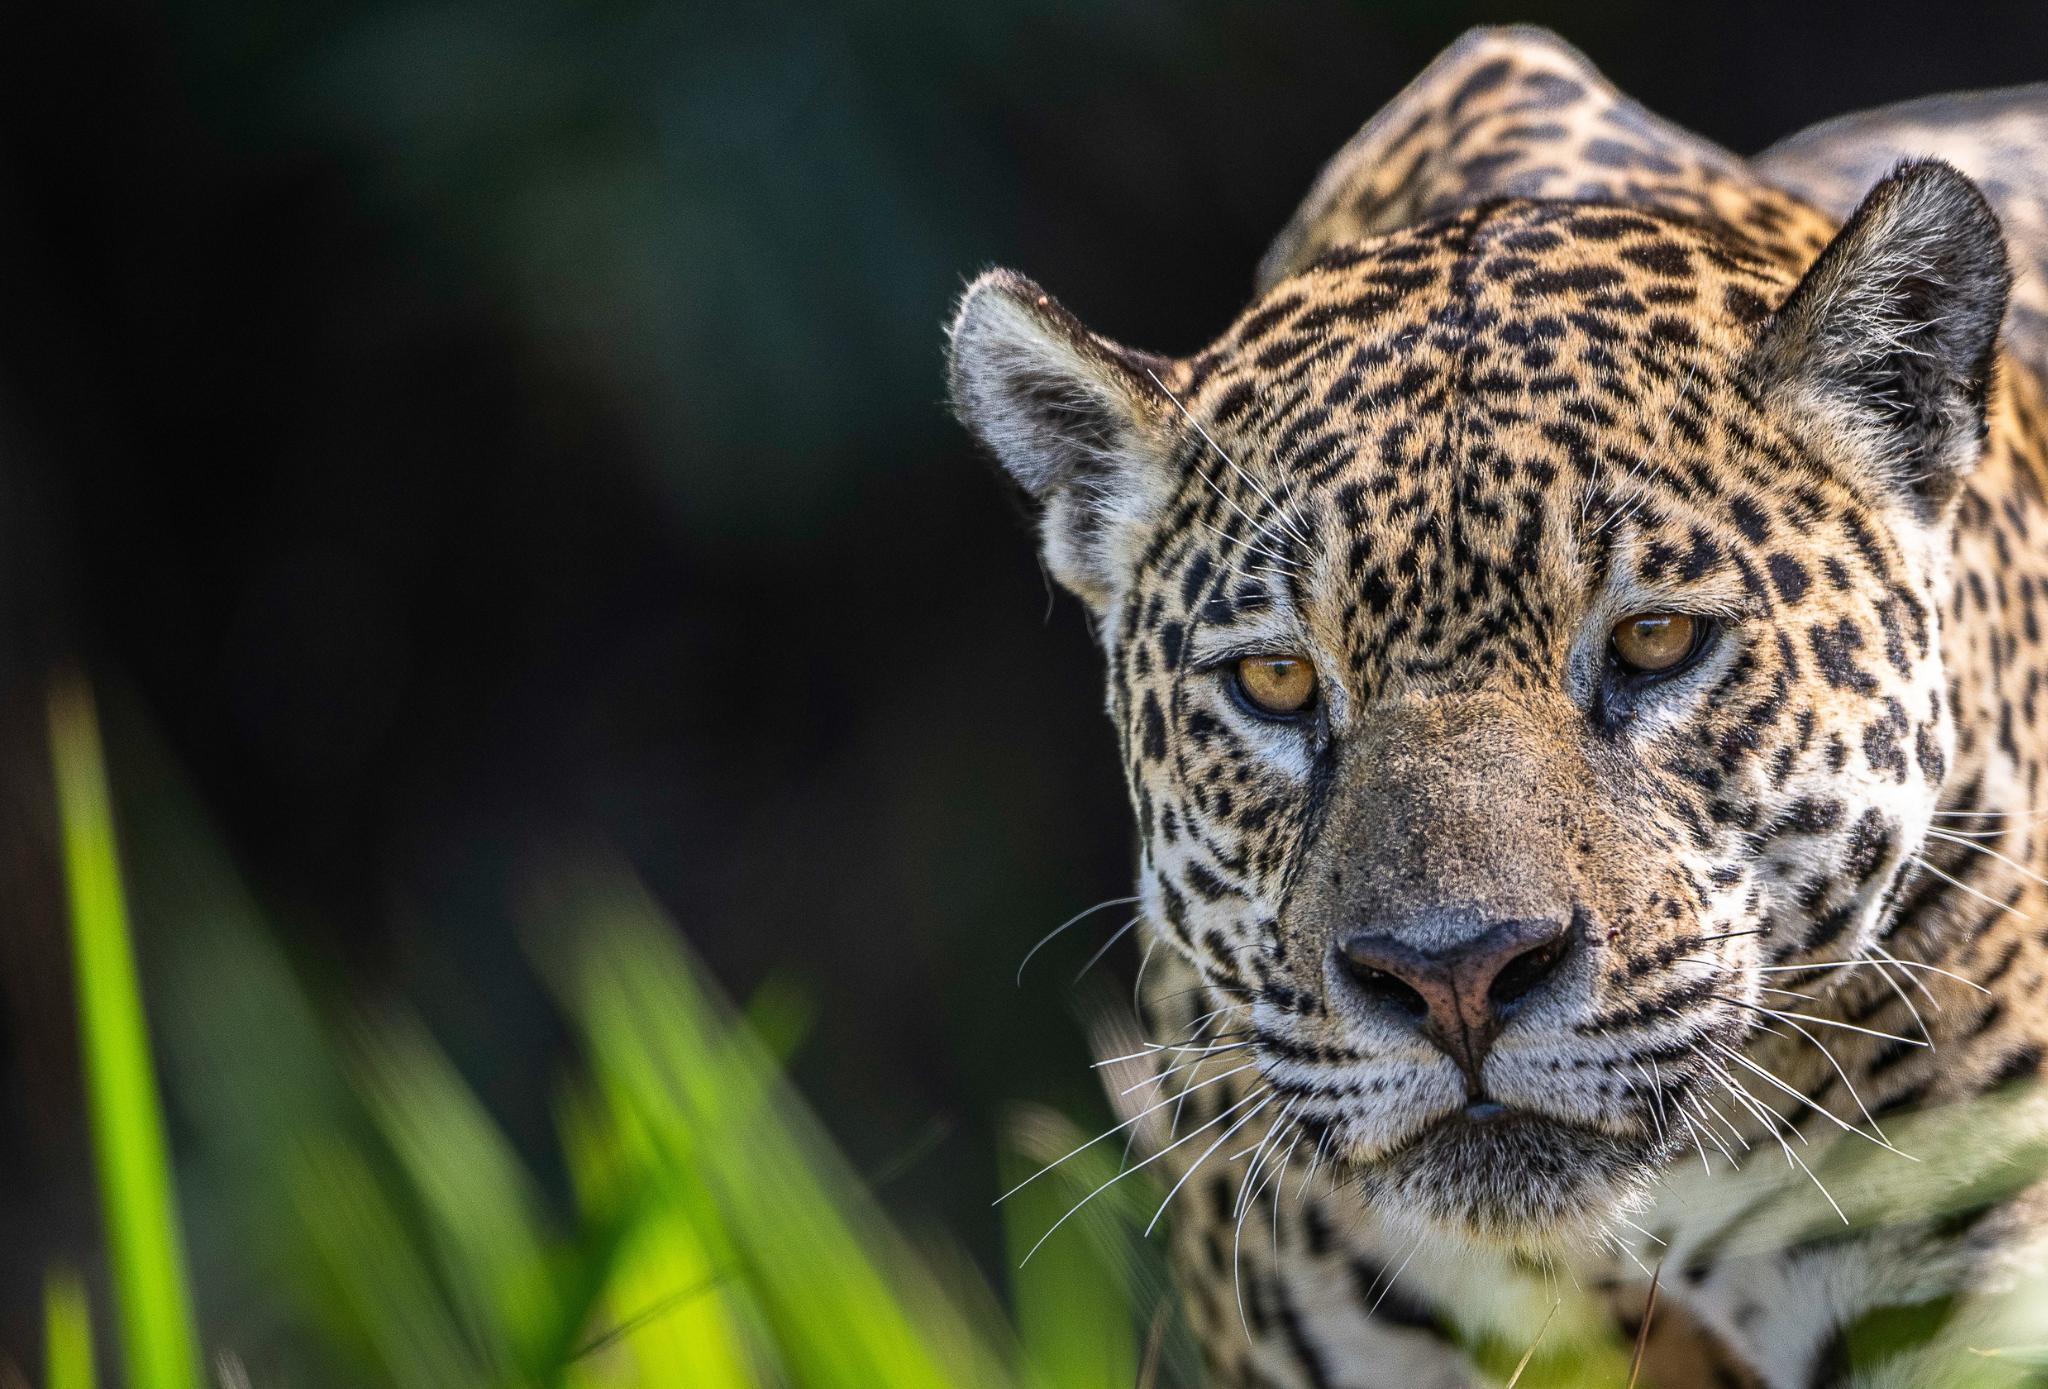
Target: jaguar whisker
x,y
1071,921
1196,1166
1988,852
1837,1120
1978,893
1863,962
1773,1118
1140,1166
1118,1129
1280,512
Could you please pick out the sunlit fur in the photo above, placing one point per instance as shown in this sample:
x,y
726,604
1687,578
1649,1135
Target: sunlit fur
x,y
1472,421
1476,507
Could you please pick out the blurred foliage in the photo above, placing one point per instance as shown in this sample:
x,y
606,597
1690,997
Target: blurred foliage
x,y
67,1334
137,1208
711,1236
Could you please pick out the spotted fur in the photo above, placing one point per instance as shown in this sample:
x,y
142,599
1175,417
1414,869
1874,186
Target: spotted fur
x,y
1529,360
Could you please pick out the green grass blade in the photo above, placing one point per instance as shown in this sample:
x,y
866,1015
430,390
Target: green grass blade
x,y
67,1334
1073,1317
1074,1298
843,1302
144,1251
380,1302
479,1211
668,1313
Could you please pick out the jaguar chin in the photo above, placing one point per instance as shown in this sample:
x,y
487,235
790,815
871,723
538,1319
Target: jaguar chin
x,y
1512,1179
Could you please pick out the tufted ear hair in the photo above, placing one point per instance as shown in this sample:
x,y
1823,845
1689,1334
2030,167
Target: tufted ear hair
x,y
1078,420
1886,347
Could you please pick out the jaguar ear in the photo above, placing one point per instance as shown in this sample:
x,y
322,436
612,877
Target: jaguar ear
x,y
1076,419
1886,347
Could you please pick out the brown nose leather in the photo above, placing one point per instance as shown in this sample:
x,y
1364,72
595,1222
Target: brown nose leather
x,y
1459,998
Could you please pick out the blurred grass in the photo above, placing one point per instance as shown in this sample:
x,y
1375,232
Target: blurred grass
x,y
127,1124
1074,1298
713,1237
67,1334
705,1232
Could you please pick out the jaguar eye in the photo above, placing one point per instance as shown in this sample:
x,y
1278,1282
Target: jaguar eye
x,y
1278,687
1654,643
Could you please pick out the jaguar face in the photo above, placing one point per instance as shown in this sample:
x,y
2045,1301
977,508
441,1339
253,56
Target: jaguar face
x,y
1522,636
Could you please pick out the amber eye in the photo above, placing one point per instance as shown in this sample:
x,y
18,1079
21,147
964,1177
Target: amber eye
x,y
1648,643
1277,686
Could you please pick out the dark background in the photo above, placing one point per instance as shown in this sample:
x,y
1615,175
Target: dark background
x,y
461,429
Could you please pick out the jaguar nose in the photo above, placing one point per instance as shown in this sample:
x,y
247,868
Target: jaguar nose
x,y
1459,997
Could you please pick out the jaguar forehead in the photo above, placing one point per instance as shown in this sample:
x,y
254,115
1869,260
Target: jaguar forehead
x,y
1462,430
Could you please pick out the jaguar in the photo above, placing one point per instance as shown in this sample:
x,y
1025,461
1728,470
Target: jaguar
x,y
1575,649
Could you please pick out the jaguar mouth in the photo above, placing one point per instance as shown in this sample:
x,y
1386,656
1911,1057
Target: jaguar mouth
x,y
1505,1176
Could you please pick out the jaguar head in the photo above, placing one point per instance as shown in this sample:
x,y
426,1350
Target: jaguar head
x,y
1522,635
